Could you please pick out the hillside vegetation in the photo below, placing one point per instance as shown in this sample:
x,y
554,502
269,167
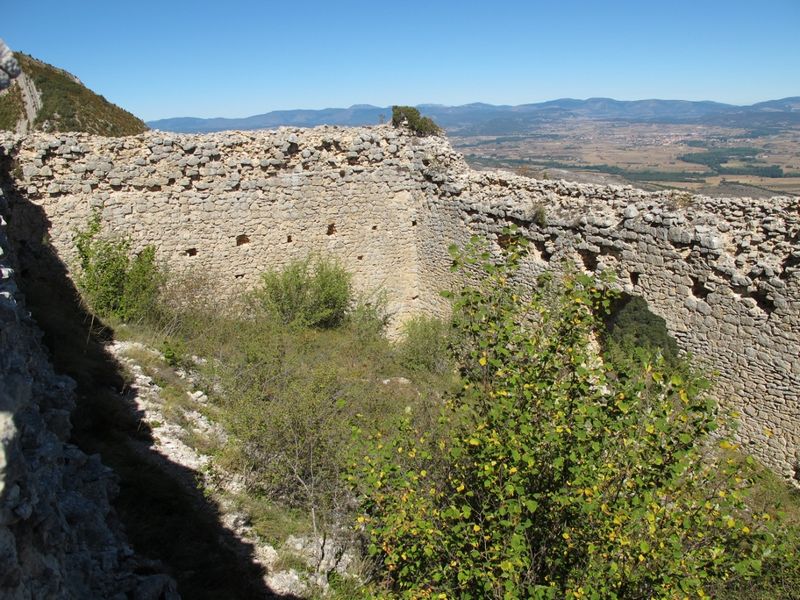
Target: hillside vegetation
x,y
11,108
66,104
513,452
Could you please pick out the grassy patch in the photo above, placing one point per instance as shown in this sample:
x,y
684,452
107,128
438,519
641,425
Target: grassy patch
x,y
270,521
200,441
289,398
291,370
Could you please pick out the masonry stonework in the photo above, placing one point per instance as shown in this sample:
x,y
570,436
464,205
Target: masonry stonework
x,y
723,273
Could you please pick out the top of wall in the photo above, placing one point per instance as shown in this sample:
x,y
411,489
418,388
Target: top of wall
x,y
761,234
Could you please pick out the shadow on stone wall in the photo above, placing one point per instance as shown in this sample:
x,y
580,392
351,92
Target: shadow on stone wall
x,y
179,530
630,323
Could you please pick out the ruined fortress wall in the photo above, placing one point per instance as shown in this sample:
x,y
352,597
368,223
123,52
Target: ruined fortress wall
x,y
230,206
723,273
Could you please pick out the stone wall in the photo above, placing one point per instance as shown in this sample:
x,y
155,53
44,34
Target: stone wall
x,y
723,273
58,534
232,205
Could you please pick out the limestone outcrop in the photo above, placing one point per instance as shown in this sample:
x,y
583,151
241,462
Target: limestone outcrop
x,y
723,273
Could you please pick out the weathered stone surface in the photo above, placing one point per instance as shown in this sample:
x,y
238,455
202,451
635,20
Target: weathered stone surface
x,y
58,537
722,272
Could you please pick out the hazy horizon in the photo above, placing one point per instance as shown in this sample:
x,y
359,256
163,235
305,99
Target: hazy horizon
x,y
439,104
205,60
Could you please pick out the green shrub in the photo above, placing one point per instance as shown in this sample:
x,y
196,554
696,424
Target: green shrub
x,y
142,283
289,397
540,214
369,317
175,351
410,116
555,473
631,324
424,345
113,282
310,293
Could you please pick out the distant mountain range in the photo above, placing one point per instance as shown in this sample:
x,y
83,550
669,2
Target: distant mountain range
x,y
489,119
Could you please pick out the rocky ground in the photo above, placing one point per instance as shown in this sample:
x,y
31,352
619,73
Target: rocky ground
x,y
170,453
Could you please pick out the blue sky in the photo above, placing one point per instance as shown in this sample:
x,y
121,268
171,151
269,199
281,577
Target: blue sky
x,y
235,58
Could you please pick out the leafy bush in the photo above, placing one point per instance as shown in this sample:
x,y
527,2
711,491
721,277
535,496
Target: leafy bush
x,y
113,282
424,345
142,283
630,324
289,397
369,316
555,473
313,294
769,495
410,116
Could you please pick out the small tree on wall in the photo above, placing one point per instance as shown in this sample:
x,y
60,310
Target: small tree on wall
x,y
410,117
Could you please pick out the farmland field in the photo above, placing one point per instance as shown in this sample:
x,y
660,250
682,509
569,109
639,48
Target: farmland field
x,y
713,160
